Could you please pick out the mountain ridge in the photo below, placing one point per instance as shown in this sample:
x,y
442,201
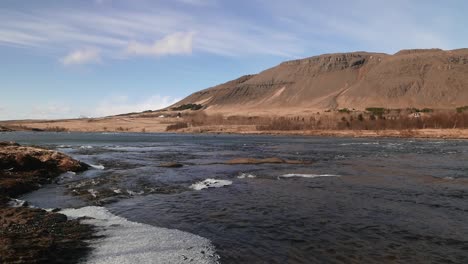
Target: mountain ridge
x,y
420,78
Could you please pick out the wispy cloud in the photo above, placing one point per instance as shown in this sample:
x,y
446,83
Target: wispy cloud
x,y
373,25
271,27
110,105
198,2
83,56
52,110
63,30
173,44
122,104
101,2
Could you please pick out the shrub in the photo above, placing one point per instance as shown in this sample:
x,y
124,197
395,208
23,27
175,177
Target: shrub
x,y
462,109
344,110
427,110
56,129
177,126
378,111
282,124
360,117
188,107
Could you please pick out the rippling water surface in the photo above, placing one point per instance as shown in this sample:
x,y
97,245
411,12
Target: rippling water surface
x,y
360,200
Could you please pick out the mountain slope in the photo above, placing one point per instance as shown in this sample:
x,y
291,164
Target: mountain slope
x,y
410,78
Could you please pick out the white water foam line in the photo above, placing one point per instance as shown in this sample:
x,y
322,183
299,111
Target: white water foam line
x,y
292,175
125,242
16,203
97,167
86,147
210,183
246,175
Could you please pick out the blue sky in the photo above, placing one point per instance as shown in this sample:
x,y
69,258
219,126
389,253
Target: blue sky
x,y
65,59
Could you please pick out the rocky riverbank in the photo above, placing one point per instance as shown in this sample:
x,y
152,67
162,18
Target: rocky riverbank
x,y
31,235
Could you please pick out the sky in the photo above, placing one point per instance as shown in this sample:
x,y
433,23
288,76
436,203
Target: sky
x,y
92,58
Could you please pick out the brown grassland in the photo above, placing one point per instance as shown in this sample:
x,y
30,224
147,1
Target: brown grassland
x,y
373,122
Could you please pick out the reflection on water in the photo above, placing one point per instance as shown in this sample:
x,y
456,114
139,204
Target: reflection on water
x,y
395,200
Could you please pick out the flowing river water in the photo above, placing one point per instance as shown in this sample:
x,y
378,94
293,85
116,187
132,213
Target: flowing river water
x,y
358,201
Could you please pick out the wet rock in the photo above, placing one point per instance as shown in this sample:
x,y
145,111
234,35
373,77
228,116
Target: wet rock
x,y
171,165
30,235
22,158
5,129
23,169
8,143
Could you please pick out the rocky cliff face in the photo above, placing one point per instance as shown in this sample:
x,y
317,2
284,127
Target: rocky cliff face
x,y
410,78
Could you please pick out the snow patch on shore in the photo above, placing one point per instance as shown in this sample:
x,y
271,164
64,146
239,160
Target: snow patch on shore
x,y
210,183
124,241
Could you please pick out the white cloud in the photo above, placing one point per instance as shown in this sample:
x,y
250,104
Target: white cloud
x,y
173,44
38,110
83,56
122,104
49,110
112,105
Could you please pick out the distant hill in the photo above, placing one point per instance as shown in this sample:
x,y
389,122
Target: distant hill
x,y
429,78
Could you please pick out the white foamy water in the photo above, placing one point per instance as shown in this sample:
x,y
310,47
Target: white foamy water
x,y
132,193
246,175
16,203
97,167
291,175
93,192
210,183
86,147
360,143
124,241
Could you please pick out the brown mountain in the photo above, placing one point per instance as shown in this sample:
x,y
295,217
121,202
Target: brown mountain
x,y
431,78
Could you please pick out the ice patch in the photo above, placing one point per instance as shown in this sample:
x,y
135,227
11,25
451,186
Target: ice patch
x,y
292,175
246,175
130,242
210,183
97,167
